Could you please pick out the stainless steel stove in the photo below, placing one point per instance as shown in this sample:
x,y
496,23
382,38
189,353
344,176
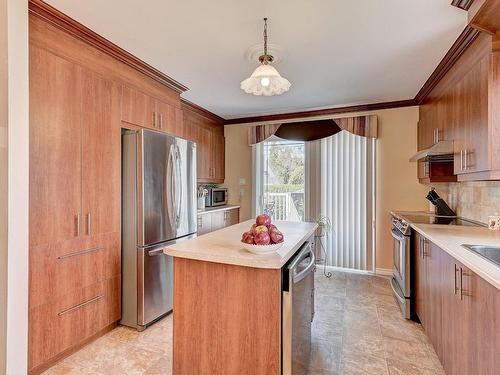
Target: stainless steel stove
x,y
402,234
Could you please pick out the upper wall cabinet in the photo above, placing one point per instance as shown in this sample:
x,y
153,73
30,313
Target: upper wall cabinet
x,y
464,108
146,111
209,137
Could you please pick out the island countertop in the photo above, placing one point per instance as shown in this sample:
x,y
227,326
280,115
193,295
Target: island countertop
x,y
224,245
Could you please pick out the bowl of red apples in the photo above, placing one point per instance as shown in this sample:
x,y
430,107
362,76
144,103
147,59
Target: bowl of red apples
x,y
263,237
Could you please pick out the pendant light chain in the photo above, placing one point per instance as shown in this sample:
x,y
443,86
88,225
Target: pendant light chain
x,y
265,42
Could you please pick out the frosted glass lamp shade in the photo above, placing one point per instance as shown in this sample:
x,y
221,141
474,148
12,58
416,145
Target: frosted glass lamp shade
x,y
265,80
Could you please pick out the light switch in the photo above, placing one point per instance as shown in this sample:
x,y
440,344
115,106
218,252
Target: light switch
x,y
243,181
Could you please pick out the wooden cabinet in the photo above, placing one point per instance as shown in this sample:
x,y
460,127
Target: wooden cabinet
x,y
463,108
146,111
55,148
210,141
458,310
74,273
212,221
204,223
101,155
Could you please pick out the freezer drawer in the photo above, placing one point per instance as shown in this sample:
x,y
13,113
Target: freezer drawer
x,y
155,275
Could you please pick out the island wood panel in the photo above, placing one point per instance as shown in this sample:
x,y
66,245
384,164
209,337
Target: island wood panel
x,y
55,147
101,155
226,319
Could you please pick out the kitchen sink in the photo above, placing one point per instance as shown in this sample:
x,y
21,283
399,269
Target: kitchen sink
x,y
489,252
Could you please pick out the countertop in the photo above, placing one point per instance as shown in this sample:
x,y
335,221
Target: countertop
x,y
218,208
451,237
224,246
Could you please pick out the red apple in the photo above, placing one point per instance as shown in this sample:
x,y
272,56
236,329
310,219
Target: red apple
x,y
262,238
263,220
260,229
247,238
276,236
271,227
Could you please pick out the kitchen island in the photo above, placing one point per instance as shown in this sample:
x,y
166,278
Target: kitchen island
x,y
227,302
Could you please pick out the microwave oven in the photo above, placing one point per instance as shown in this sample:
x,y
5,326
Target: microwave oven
x,y
216,197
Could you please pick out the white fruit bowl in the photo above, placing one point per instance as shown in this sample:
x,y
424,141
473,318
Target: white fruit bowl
x,y
262,249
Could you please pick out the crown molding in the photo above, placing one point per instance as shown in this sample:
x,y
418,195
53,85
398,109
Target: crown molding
x,y
53,16
458,48
324,112
186,104
462,4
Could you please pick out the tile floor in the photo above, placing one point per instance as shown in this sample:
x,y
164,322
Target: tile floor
x,y
358,329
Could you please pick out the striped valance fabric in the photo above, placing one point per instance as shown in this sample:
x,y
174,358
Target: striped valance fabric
x,y
365,126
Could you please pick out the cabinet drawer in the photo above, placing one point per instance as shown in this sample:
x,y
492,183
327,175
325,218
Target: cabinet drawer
x,y
76,316
58,269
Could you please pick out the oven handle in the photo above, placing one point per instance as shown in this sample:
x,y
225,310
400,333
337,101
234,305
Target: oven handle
x,y
395,233
395,289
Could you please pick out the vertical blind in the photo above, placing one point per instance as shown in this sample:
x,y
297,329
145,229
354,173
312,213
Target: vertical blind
x,y
340,186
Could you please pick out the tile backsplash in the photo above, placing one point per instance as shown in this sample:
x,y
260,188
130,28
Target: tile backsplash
x,y
474,200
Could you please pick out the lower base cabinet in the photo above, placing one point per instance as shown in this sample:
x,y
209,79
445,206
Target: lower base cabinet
x,y
212,221
459,313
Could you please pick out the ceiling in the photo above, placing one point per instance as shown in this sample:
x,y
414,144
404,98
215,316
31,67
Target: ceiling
x,y
335,52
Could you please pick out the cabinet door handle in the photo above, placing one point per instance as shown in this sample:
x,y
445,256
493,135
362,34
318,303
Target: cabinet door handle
x,y
161,120
77,225
462,292
455,289
461,160
80,305
89,224
437,135
154,119
77,253
466,162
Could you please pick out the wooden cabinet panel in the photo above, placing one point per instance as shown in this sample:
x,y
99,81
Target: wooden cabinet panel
x,y
218,159
458,310
456,318
169,119
55,141
232,217
419,278
482,301
57,269
432,293
218,220
204,224
75,317
138,108
101,162
205,152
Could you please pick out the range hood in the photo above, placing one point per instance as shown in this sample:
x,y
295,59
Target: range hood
x,y
438,150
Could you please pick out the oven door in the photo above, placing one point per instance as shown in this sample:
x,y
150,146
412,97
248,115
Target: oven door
x,y
401,259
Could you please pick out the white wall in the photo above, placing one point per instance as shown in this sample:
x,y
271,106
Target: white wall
x,y
15,339
3,183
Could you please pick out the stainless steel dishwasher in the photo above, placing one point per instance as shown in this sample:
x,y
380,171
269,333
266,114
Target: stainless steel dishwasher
x,y
298,310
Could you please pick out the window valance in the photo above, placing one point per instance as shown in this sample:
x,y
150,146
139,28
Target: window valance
x,y
365,126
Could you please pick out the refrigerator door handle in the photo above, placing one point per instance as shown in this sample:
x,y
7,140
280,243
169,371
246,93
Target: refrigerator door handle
x,y
178,191
170,184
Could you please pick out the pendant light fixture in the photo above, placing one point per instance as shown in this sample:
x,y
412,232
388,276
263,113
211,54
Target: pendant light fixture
x,y
265,80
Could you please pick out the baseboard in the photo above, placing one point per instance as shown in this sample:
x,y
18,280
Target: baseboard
x,y
343,269
383,271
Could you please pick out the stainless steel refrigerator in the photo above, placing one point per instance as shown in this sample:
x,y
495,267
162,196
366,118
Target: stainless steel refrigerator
x,y
158,209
